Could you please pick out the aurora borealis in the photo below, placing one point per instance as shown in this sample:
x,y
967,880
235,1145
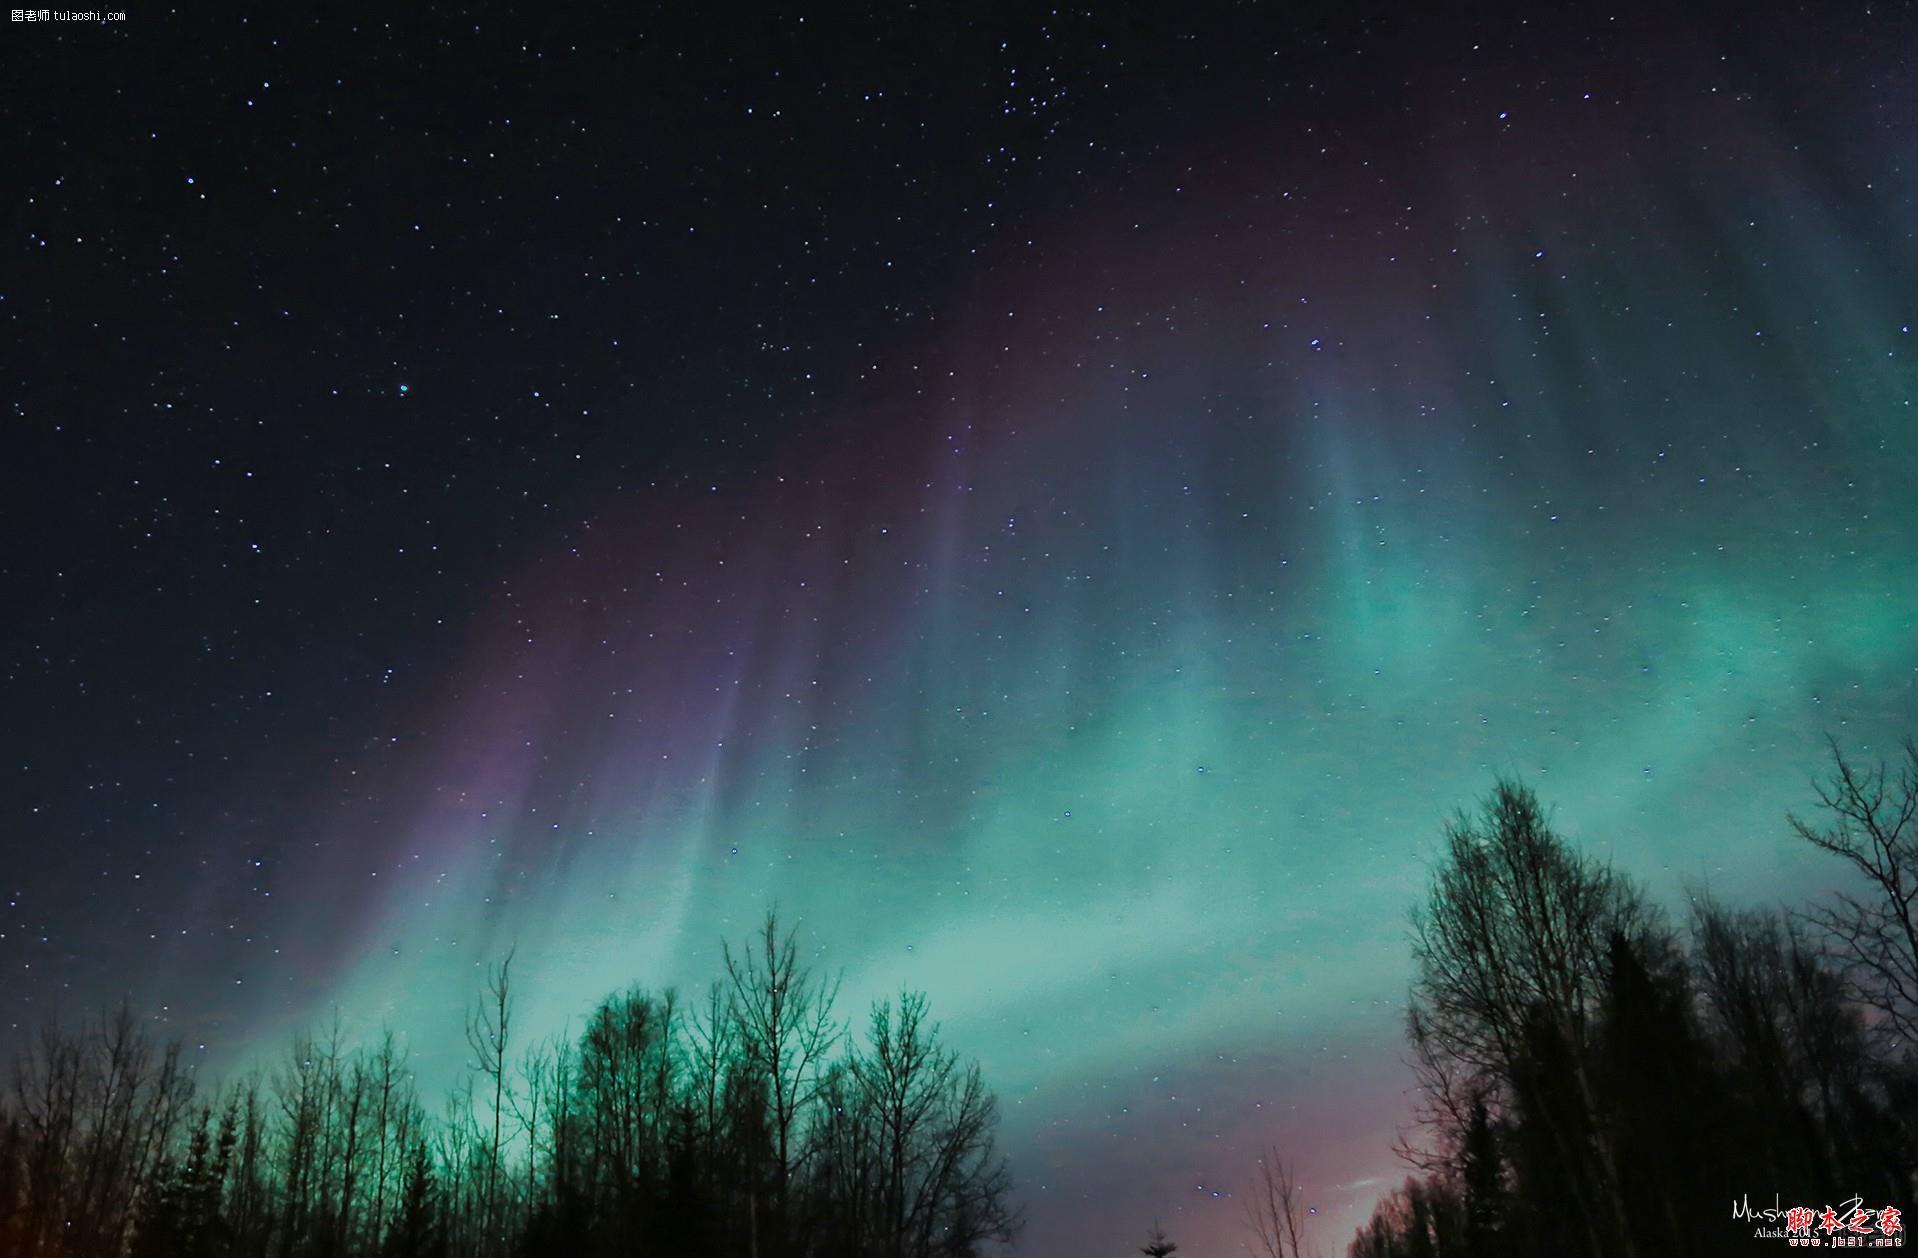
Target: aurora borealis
x,y
1064,506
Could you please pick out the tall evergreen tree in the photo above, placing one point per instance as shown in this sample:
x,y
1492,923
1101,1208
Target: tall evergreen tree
x,y
1482,1176
416,1230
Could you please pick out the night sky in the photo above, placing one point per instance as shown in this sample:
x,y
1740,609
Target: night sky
x,y
1064,502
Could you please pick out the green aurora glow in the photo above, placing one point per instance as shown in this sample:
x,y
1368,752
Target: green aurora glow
x,y
1109,672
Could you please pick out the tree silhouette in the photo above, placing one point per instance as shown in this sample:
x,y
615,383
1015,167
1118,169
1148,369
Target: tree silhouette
x,y
1511,954
1275,1210
1588,1076
783,1014
1482,1179
1422,1219
488,1037
181,1214
1870,826
1157,1246
416,1230
907,1142
651,1131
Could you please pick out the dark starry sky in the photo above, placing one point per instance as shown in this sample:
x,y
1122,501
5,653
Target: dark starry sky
x,y
1065,500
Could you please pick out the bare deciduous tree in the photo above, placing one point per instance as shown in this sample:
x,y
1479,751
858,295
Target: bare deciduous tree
x,y
940,1185
1870,827
783,1011
651,1129
1512,957
488,1031
1275,1210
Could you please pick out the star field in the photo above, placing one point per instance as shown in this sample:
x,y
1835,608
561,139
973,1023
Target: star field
x,y
1065,502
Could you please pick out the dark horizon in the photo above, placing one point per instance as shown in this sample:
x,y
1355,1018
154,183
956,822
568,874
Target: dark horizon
x,y
1065,505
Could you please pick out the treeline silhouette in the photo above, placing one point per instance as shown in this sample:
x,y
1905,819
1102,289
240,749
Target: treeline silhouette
x,y
1593,1078
752,1122
1596,1079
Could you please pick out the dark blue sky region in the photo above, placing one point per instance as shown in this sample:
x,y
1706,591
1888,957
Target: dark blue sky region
x,y
1064,504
